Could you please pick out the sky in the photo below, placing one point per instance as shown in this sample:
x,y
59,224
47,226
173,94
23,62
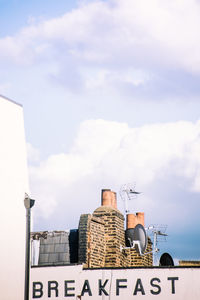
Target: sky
x,y
111,96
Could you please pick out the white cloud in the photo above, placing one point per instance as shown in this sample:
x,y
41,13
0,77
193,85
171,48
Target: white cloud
x,y
109,154
114,33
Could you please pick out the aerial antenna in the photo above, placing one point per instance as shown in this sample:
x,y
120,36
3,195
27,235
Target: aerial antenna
x,y
127,193
159,235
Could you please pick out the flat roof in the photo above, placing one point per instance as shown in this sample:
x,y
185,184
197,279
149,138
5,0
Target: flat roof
x,y
7,99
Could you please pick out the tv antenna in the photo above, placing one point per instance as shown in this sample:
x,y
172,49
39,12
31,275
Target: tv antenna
x,y
127,193
159,235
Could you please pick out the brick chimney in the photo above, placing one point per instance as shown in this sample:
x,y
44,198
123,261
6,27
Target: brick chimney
x,y
102,234
132,220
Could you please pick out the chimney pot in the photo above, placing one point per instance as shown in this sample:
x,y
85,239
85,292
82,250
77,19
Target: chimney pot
x,y
140,218
114,200
108,198
132,220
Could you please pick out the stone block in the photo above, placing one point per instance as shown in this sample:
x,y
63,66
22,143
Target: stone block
x,y
59,248
50,248
53,258
42,249
64,257
49,240
44,258
64,238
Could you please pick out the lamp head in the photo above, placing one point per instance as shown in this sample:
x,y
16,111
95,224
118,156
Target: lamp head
x,y
28,203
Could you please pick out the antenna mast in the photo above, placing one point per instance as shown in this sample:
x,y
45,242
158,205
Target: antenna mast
x,y
159,235
127,193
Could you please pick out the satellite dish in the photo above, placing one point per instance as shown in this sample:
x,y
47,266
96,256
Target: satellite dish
x,y
140,235
129,235
136,238
166,260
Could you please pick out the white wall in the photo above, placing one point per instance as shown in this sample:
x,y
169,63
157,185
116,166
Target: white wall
x,y
13,185
151,283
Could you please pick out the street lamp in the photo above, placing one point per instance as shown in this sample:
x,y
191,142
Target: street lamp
x,y
28,203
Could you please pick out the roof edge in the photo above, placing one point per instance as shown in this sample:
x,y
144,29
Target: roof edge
x,y
14,102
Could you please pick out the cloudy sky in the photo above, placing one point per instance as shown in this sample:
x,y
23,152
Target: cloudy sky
x,y
111,95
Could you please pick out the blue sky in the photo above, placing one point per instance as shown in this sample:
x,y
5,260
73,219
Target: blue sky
x,y
110,91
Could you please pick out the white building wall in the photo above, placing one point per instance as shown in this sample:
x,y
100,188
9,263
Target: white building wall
x,y
13,185
71,282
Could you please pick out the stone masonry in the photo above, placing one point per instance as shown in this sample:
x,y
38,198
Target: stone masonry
x,y
56,247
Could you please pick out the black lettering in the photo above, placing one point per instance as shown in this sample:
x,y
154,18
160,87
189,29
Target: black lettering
x,y
118,286
86,288
69,288
102,287
37,289
156,286
173,283
139,287
52,286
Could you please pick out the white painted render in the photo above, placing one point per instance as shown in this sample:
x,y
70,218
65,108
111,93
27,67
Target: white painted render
x,y
72,282
13,185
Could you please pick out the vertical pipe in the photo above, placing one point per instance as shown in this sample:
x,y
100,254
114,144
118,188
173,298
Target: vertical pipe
x,y
28,203
155,250
27,254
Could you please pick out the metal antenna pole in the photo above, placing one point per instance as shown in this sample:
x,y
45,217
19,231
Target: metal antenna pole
x,y
28,203
154,246
127,192
126,202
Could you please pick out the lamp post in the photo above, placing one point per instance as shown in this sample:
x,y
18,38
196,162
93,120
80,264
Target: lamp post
x,y
28,203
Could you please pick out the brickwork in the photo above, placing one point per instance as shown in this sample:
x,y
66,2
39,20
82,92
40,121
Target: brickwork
x,y
136,260
189,263
102,237
91,241
96,244
83,231
114,234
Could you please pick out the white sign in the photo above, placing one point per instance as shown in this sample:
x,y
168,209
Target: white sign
x,y
71,282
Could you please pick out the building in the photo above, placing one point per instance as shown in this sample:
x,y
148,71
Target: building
x,y
93,262
99,241
14,184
